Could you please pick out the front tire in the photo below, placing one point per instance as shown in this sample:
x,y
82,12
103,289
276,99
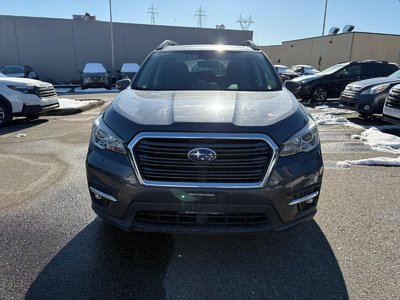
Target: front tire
x,y
319,94
5,114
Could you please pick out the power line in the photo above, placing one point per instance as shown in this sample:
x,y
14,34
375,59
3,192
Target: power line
x,y
152,11
245,23
200,14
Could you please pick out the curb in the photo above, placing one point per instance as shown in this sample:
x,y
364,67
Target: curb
x,y
71,111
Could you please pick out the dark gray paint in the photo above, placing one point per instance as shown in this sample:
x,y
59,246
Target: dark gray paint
x,y
58,48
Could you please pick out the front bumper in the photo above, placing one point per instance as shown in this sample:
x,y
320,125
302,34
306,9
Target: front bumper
x,y
204,210
368,104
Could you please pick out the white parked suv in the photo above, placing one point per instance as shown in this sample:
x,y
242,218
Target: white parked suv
x,y
391,109
24,97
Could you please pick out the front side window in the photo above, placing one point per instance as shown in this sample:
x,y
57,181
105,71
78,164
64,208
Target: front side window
x,y
350,71
207,70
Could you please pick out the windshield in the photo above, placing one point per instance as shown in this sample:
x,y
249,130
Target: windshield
x,y
333,69
395,74
207,70
12,69
130,67
94,68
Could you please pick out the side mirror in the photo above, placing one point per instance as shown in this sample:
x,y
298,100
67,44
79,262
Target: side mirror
x,y
293,86
123,84
80,71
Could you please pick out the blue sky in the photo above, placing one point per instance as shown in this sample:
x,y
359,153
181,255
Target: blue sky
x,y
275,20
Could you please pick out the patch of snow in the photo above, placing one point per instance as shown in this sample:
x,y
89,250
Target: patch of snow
x,y
376,161
94,68
129,67
71,103
94,90
322,107
379,141
63,90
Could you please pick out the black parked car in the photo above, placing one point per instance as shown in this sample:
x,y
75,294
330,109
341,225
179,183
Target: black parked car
x,y
19,71
128,70
192,147
333,80
368,96
94,75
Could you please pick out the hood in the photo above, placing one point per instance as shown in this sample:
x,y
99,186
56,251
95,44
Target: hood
x,y
307,78
289,72
21,81
374,81
221,111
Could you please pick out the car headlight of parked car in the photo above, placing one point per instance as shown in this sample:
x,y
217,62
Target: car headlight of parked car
x,y
104,138
22,88
305,140
376,89
86,78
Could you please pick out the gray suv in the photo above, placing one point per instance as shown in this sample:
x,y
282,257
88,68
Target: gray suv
x,y
205,139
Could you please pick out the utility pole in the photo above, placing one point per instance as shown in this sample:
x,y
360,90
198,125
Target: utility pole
x,y
245,23
112,38
322,37
200,14
152,11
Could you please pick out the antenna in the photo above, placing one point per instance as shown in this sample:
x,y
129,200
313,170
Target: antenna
x,y
152,11
199,14
245,23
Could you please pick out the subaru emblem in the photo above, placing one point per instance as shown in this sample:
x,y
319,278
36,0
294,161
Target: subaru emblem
x,y
202,155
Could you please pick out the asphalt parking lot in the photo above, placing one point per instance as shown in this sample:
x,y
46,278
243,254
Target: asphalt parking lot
x,y
52,246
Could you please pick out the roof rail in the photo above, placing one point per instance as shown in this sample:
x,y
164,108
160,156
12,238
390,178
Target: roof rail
x,y
166,43
250,44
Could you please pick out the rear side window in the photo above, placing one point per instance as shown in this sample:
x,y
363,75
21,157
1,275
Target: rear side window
x,y
207,70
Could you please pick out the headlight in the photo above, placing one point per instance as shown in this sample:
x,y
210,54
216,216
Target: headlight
x,y
86,78
22,88
376,89
104,138
305,140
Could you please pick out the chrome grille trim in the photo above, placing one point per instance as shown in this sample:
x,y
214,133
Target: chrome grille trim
x,y
190,135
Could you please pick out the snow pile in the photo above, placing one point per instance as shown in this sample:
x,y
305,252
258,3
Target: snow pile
x,y
71,103
63,90
95,90
376,161
379,141
331,116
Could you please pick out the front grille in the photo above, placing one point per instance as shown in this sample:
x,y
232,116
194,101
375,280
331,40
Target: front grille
x,y
351,91
238,160
45,91
393,99
172,217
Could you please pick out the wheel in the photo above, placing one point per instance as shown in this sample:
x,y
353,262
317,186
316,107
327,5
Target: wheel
x,y
5,114
319,94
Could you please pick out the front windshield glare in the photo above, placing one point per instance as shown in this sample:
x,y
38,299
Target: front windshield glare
x,y
333,69
207,70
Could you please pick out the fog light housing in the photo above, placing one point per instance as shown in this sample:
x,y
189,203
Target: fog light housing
x,y
367,107
97,197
